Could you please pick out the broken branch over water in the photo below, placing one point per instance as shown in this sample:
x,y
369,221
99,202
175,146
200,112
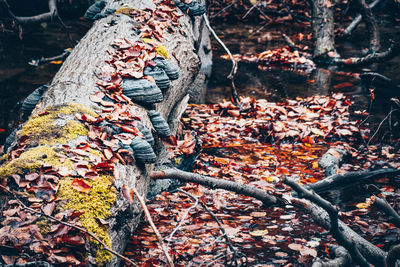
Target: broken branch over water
x,y
259,194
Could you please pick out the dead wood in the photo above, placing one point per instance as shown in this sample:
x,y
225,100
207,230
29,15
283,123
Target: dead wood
x,y
384,206
370,22
334,228
372,253
390,53
44,17
353,25
345,179
75,83
342,258
393,256
323,27
213,183
331,160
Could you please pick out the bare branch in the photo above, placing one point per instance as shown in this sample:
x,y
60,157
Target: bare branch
x,y
370,22
392,51
259,194
157,233
232,74
383,205
341,179
357,20
49,16
393,256
334,220
342,258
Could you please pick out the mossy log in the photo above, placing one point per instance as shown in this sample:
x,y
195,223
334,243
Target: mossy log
x,y
52,134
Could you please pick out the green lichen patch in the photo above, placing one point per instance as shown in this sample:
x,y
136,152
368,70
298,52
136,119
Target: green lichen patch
x,y
50,126
96,205
32,160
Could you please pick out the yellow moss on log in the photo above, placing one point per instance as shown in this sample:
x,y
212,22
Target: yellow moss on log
x,y
96,204
56,125
33,159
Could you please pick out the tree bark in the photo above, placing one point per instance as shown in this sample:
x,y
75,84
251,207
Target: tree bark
x,y
345,179
323,27
76,82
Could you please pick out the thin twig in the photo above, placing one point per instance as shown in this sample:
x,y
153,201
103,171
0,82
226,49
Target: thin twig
x,y
68,224
231,75
248,11
65,29
222,10
357,20
182,220
157,233
380,124
235,253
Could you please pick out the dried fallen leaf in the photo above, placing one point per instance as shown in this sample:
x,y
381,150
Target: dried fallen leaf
x,y
80,185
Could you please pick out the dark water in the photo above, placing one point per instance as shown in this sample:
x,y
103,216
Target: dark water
x,y
277,84
17,78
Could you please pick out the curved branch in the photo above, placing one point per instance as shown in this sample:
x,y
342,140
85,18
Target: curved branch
x,y
337,180
357,20
332,211
393,256
49,16
259,194
342,258
392,51
371,25
384,206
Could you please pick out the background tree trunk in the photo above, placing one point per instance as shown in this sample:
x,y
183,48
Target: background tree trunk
x,y
323,27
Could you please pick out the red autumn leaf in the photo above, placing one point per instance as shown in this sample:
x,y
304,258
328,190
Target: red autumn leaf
x,y
105,166
75,213
42,113
170,140
73,240
80,185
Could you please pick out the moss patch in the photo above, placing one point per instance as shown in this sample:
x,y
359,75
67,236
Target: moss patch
x,y
96,204
33,159
44,129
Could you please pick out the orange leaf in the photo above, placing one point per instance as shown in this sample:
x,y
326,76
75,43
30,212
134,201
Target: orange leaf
x,y
80,185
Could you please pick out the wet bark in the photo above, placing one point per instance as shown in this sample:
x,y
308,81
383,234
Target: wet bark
x,y
323,27
76,82
345,179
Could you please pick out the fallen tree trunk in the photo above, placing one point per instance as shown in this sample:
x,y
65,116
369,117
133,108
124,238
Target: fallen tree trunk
x,y
57,154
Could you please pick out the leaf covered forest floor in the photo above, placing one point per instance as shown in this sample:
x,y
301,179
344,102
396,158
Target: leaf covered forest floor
x,y
255,143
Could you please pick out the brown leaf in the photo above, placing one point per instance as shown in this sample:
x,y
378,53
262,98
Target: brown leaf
x,y
49,208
